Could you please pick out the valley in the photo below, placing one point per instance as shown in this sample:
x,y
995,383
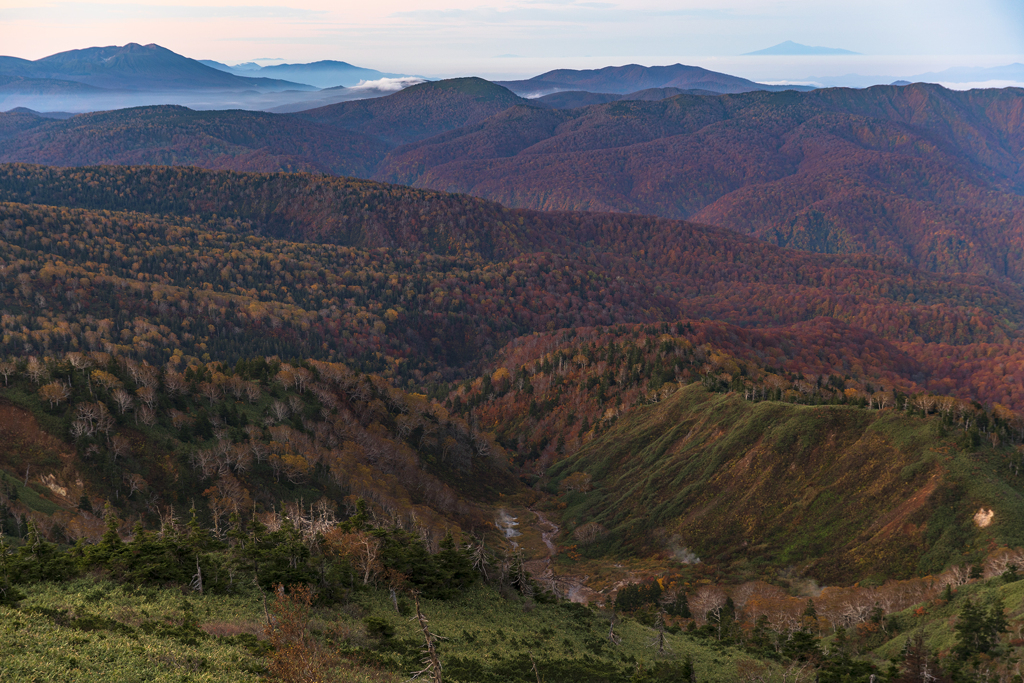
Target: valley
x,y
630,374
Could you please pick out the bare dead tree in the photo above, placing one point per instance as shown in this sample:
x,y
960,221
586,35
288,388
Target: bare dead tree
x,y
7,368
431,661
123,399
146,415
210,391
147,395
612,637
252,392
35,370
197,579
119,446
279,411
174,383
659,638
134,482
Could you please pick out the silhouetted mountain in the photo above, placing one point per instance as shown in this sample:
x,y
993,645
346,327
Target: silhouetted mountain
x,y
345,139
340,93
789,48
325,74
136,67
996,76
420,111
171,135
45,114
19,85
105,78
633,77
18,91
18,121
1010,72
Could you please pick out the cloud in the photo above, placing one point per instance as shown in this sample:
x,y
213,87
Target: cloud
x,y
529,12
557,13
64,12
981,84
388,84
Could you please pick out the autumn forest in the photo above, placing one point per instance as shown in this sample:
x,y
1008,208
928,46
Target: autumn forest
x,y
702,388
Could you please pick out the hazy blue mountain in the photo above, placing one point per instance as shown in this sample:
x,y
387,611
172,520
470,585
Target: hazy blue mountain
x,y
44,86
59,115
240,69
967,74
1013,73
789,48
137,67
324,74
220,66
113,77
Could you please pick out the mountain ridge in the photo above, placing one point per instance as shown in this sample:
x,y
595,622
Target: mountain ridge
x,y
327,73
888,170
789,48
634,77
136,67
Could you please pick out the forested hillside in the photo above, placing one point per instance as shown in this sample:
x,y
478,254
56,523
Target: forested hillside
x,y
920,174
424,299
178,136
917,173
221,382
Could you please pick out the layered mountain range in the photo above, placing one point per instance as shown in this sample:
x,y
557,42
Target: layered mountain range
x,y
326,73
115,77
540,321
706,351
134,67
918,173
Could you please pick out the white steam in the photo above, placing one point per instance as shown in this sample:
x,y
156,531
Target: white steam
x,y
387,84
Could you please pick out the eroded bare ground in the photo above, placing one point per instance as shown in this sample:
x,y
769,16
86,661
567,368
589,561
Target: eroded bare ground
x,y
581,588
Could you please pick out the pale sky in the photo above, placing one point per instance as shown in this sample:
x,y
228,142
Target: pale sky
x,y
525,37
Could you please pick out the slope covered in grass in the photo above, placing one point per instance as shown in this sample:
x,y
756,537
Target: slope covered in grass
x,y
841,492
99,631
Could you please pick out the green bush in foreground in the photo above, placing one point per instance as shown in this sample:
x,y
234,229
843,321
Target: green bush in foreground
x,y
92,629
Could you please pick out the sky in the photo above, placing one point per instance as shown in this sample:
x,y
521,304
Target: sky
x,y
520,38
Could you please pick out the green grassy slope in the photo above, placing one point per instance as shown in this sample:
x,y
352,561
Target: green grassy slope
x,y
89,631
839,491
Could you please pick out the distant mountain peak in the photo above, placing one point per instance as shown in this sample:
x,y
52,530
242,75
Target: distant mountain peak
x,y
791,49
473,86
135,67
325,74
632,78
